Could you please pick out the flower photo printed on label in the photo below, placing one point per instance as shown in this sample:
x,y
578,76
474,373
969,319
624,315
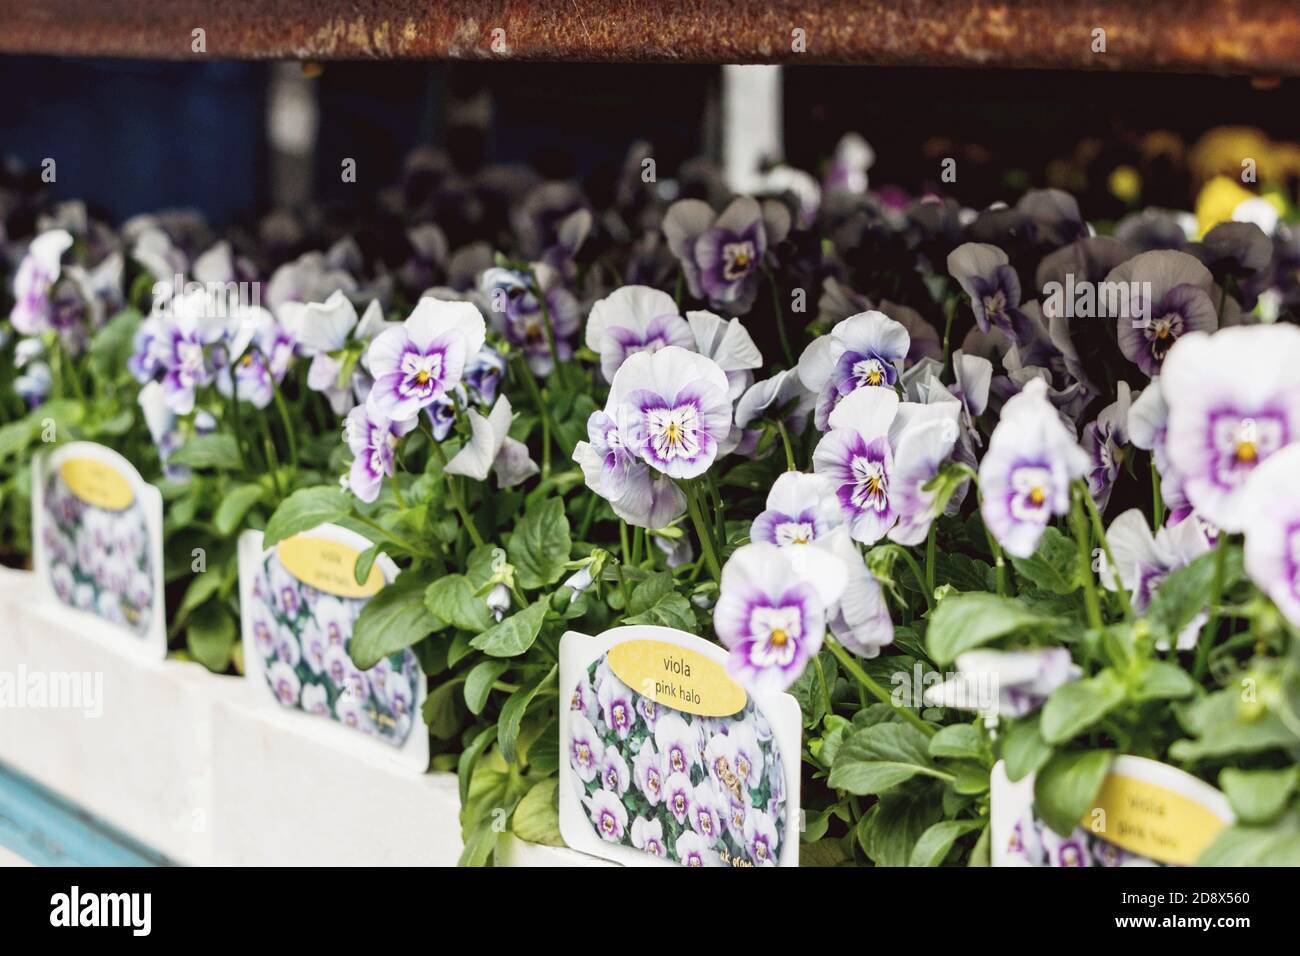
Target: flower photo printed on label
x,y
665,759
97,543
299,605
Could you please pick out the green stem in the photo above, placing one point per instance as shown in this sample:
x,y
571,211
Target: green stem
x,y
453,492
789,449
929,558
876,691
1157,499
1094,516
622,587
1216,595
285,422
780,318
702,530
552,342
626,541
920,577
400,542
950,310
70,370
1079,525
588,517
638,546
397,491
826,688
544,410
272,459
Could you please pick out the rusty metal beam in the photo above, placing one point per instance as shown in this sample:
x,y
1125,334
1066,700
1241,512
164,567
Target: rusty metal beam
x,y
1227,36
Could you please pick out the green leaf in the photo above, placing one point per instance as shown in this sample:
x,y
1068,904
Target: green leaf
x,y
1064,789
1254,846
959,741
1163,680
217,450
1224,726
512,715
305,509
539,547
537,818
391,621
1024,749
898,826
1054,565
1259,796
202,587
210,636
965,621
879,758
671,610
234,506
478,684
515,634
365,561
451,599
469,757
441,712
1186,592
935,842
1078,705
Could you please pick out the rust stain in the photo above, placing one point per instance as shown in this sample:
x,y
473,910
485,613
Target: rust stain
x,y
1228,36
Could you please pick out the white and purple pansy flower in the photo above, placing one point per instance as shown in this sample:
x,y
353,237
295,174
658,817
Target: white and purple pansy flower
x,y
705,819
760,838
616,707
187,334
491,448
676,741
36,275
692,851
1144,560
721,255
862,351
371,437
648,836
1026,473
586,752
1165,295
1106,441
727,343
518,313
608,815
801,508
641,497
421,360
783,397
631,319
614,772
672,409
648,772
1272,528
984,273
771,612
678,794
1005,683
1234,401
859,619
266,352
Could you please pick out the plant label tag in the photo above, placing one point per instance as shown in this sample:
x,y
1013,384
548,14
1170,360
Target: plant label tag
x,y
299,603
1146,813
97,544
664,759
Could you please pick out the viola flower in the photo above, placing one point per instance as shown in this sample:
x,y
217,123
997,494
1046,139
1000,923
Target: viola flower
x,y
692,851
586,752
614,773
259,367
1272,526
492,449
608,815
705,819
616,708
638,496
863,351
783,397
678,793
672,409
859,618
34,280
761,839
984,273
284,683
313,277
729,345
1234,401
483,375
632,319
1143,561
648,836
371,437
421,360
1025,476
1005,683
800,509
516,312
771,612
1105,441
675,740
1176,303
647,770
324,330
721,255
847,171
187,333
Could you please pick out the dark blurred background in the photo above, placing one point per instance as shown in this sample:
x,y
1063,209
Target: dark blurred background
x,y
232,139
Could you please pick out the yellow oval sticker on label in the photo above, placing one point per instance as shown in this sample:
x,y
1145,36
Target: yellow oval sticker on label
x,y
97,483
328,566
677,677
1151,820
